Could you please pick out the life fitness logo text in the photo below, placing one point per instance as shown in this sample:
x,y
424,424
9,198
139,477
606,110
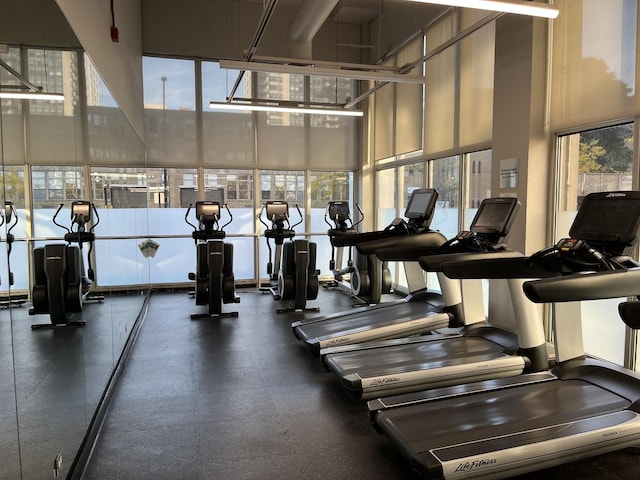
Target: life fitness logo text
x,y
468,466
614,195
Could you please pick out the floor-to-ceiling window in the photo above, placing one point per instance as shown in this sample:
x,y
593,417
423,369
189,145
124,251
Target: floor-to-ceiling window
x,y
594,66
595,161
303,159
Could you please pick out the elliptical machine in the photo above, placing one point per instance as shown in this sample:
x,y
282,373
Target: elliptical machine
x,y
338,212
9,217
294,277
60,286
215,282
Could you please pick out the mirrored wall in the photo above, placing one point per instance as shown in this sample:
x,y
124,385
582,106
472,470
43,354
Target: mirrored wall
x,y
54,153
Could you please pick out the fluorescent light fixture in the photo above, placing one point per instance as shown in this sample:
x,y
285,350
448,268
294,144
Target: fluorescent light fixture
x,y
520,7
253,107
32,95
322,71
26,90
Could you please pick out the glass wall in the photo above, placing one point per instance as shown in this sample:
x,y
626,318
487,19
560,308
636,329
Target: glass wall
x,y
446,179
462,178
303,159
53,379
238,188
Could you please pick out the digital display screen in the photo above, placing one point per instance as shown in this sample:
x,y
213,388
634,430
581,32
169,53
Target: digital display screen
x,y
208,210
613,216
338,210
81,209
493,215
421,203
277,210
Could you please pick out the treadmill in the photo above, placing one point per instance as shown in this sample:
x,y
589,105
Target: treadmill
x,y
479,352
371,276
421,311
581,408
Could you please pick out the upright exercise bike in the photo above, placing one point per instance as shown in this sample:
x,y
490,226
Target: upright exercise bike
x,y
215,282
60,286
342,225
294,278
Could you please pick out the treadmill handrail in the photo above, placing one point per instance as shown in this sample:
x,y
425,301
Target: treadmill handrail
x,y
489,264
395,247
354,239
585,286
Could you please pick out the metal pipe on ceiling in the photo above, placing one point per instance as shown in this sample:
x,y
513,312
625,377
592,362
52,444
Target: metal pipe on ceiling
x,y
257,36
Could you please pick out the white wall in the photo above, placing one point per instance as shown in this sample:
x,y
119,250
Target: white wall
x,y
120,64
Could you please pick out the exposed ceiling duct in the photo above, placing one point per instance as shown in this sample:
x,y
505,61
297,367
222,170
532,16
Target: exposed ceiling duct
x,y
310,17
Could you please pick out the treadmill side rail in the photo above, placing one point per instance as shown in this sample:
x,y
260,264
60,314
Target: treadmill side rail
x,y
426,323
430,395
502,457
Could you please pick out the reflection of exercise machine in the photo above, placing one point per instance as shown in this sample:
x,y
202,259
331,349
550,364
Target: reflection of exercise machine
x,y
294,276
215,282
9,217
342,224
60,285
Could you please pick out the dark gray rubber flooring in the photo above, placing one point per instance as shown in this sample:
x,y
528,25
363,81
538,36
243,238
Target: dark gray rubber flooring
x,y
241,398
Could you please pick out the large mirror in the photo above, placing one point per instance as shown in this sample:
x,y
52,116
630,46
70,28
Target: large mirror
x,y
54,153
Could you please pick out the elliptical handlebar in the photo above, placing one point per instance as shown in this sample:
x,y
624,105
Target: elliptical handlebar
x,y
55,215
95,211
342,221
361,217
292,227
279,216
260,216
208,216
326,214
8,215
77,218
186,217
230,217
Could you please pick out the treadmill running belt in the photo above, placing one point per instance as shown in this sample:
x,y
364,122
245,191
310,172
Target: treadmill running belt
x,y
411,357
400,313
427,427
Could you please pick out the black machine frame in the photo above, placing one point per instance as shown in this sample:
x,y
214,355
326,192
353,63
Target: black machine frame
x,y
293,277
215,281
60,287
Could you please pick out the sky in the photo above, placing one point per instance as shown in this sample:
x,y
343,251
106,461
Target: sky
x,y
180,83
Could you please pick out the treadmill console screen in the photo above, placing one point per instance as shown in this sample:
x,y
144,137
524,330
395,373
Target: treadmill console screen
x,y
609,217
207,211
338,210
495,216
421,203
277,210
